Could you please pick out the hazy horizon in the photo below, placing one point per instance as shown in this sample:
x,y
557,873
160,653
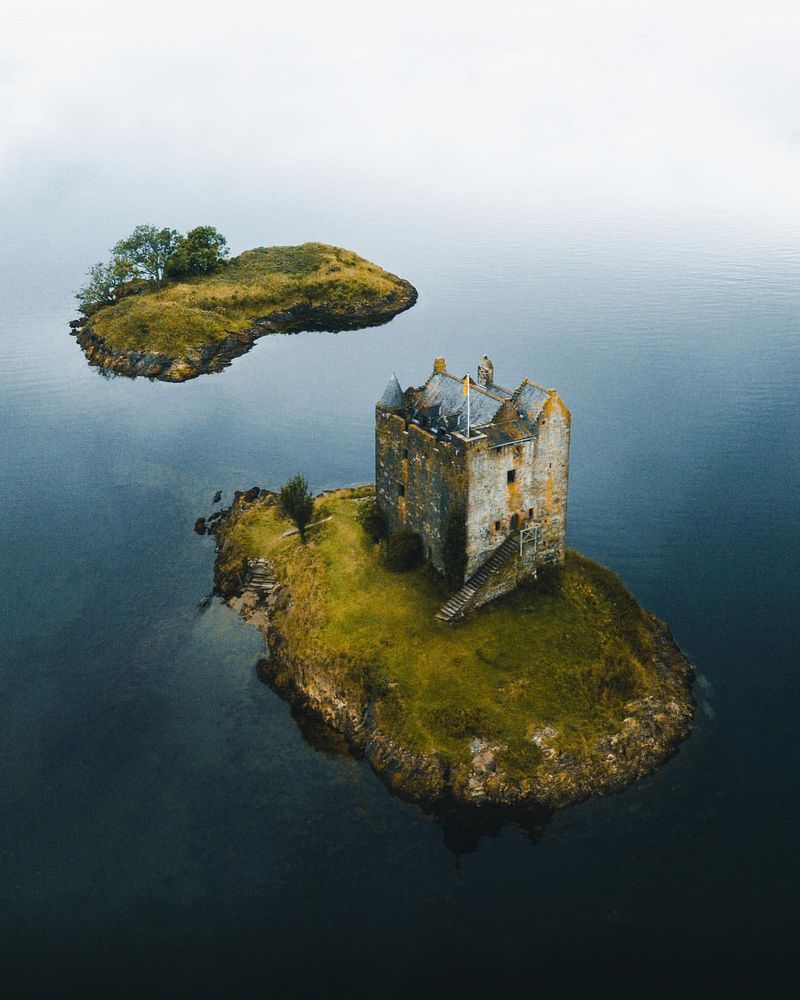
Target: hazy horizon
x,y
671,110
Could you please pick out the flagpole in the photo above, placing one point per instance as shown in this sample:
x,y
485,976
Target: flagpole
x,y
466,393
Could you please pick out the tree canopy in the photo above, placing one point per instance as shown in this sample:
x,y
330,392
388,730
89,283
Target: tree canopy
x,y
148,257
149,250
296,503
201,251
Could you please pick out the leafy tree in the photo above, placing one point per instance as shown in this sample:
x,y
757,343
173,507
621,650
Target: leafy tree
x,y
148,250
371,518
402,550
105,282
454,547
201,251
296,503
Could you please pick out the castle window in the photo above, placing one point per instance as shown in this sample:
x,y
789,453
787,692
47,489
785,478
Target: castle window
x,y
401,490
405,452
511,475
498,525
530,513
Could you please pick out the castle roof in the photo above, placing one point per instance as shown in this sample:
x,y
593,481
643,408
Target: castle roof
x,y
392,398
502,415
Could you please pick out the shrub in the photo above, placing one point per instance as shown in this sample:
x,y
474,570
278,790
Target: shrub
x,y
613,677
371,518
457,721
454,548
402,550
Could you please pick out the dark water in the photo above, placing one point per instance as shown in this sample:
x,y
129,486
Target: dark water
x,y
165,822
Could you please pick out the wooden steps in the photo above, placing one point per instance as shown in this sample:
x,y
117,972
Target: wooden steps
x,y
460,602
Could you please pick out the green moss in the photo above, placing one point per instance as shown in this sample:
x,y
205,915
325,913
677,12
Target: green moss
x,y
188,315
567,651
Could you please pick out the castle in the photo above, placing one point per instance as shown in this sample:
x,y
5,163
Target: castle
x,y
497,458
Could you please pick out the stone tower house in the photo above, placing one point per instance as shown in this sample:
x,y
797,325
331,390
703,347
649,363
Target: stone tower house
x,y
505,473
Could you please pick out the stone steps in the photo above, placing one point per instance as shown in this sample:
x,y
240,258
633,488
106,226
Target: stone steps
x,y
261,577
459,603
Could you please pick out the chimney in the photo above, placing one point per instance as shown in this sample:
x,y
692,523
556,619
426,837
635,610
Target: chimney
x,y
439,366
485,371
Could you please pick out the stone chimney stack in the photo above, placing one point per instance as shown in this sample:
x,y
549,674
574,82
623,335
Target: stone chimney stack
x,y
485,371
439,366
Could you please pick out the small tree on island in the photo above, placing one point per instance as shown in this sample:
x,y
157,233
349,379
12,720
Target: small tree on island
x,y
296,504
149,255
201,251
148,250
105,283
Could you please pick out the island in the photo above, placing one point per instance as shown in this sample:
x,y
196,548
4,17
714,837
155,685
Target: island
x,y
558,689
174,330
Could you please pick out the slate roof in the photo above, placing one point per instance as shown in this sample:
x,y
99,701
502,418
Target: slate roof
x,y
441,405
392,398
446,392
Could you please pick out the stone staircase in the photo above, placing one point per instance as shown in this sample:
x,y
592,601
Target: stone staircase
x,y
460,603
262,579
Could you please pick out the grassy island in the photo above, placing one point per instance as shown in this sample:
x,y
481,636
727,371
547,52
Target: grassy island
x,y
199,324
561,688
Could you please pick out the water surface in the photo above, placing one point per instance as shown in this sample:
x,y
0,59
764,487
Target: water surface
x,y
164,819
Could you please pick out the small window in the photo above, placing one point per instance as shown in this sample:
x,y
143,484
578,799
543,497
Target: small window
x,y
530,513
401,490
405,452
498,525
430,553
511,475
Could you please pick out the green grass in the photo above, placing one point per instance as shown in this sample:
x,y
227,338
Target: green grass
x,y
566,651
188,315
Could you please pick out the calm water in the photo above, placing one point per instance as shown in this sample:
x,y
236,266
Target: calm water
x,y
163,818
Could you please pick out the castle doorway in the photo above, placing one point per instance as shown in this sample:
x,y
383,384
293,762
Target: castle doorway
x,y
515,522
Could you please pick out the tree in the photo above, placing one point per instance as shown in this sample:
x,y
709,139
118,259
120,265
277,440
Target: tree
x,y
148,250
371,518
105,281
296,503
454,547
201,251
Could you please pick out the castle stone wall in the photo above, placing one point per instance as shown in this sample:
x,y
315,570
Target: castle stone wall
x,y
431,472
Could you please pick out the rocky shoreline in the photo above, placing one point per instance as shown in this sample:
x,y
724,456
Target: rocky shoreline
x,y
649,735
218,355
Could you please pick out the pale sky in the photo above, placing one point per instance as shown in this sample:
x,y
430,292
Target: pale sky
x,y
659,104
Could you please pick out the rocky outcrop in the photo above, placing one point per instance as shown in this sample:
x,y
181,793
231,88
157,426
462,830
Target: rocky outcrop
x,y
216,356
649,734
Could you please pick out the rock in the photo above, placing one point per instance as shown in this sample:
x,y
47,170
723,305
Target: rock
x,y
252,494
200,526
217,496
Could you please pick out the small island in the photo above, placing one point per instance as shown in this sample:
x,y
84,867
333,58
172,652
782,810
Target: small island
x,y
561,689
175,317
439,623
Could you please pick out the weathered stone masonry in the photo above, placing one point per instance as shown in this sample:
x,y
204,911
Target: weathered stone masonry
x,y
507,471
